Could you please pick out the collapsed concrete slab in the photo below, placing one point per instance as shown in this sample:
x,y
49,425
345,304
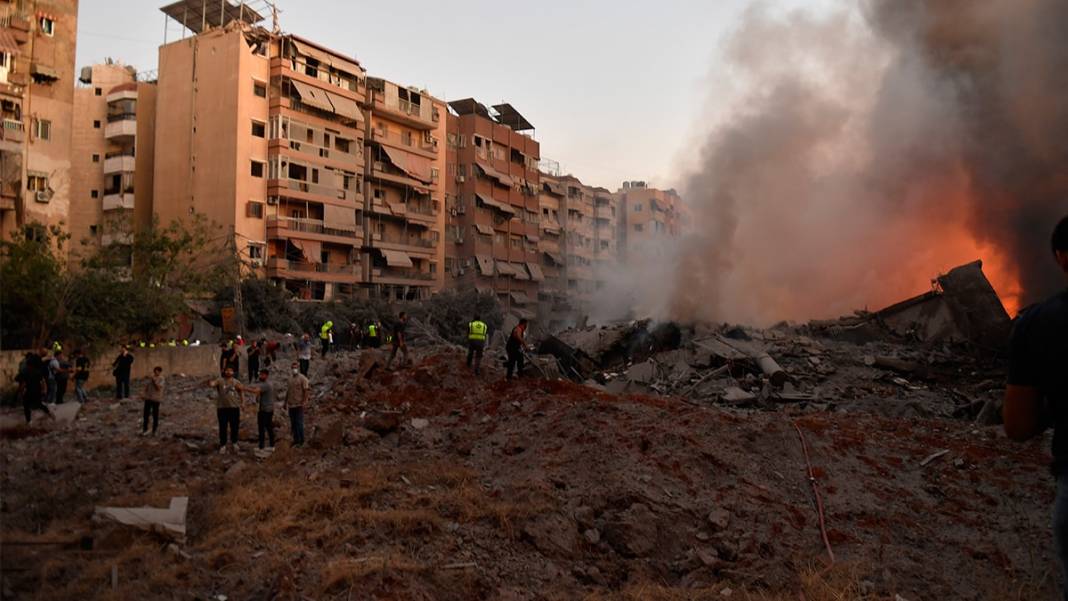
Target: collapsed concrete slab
x,y
169,522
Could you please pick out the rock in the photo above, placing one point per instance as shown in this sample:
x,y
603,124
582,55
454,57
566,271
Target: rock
x,y
419,423
708,557
553,535
633,532
331,437
585,516
356,436
733,394
719,519
592,536
235,469
382,423
703,536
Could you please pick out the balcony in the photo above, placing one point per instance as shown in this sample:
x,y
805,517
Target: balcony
x,y
349,161
422,116
280,187
116,238
121,128
415,144
348,273
311,229
119,163
391,275
116,201
409,244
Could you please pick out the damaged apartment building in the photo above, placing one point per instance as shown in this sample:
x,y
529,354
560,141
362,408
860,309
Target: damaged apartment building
x,y
37,52
328,180
493,223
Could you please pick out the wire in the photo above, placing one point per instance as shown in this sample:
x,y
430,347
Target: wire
x,y
815,492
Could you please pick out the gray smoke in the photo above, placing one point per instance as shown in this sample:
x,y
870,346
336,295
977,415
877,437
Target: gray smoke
x,y
868,150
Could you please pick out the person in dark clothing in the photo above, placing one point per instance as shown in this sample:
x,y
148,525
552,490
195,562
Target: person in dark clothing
x,y
514,348
264,391
1037,393
400,342
230,359
354,336
270,351
152,396
81,376
60,370
120,368
32,383
254,353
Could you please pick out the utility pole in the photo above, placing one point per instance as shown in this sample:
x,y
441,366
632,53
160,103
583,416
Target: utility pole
x,y
239,313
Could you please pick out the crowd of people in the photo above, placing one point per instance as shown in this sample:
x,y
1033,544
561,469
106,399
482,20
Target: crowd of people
x,y
44,375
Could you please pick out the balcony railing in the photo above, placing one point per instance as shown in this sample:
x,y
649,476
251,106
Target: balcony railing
x,y
338,268
310,226
122,117
320,189
403,274
407,241
15,131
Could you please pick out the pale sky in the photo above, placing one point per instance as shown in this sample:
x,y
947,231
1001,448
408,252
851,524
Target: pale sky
x,y
616,89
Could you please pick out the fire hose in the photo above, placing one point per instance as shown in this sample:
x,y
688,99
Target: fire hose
x,y
816,493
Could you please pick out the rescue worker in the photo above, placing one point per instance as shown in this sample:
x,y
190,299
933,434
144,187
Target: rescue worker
x,y
373,339
515,346
476,343
400,343
326,336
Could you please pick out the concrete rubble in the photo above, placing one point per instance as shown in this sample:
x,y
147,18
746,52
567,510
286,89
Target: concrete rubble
x,y
169,522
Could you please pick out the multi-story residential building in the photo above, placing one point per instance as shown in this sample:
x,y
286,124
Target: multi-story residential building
x,y
327,180
493,231
552,297
404,210
605,234
112,156
37,50
577,239
648,215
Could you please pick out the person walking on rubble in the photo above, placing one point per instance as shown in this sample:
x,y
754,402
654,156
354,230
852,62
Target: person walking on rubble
x,y
326,336
152,396
264,392
120,368
373,339
304,353
1037,393
298,392
400,342
255,351
31,380
81,375
514,348
476,343
228,407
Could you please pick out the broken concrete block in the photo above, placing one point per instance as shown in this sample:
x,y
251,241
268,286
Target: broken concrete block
x,y
643,373
420,423
553,535
633,532
733,394
169,522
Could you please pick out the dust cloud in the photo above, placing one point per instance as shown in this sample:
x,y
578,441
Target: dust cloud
x,y
863,152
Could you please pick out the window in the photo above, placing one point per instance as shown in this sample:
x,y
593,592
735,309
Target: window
x,y
96,124
638,227
257,168
406,137
97,91
517,242
92,230
37,183
498,238
433,268
259,129
637,207
47,26
43,129
255,209
255,251
259,89
96,158
94,194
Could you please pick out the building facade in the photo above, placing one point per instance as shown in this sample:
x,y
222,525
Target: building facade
x,y
648,216
327,181
493,229
112,157
37,53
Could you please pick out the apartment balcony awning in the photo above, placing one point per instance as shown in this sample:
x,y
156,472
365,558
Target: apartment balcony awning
x,y
346,107
520,298
8,43
554,257
45,71
494,204
313,96
520,271
485,230
503,178
511,117
536,273
325,58
197,15
341,218
524,313
485,265
416,167
533,238
552,228
396,258
556,188
505,268
311,249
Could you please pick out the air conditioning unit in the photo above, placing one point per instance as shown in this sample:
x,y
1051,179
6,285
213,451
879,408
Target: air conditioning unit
x,y
460,210
461,179
454,212
378,166
460,271
427,137
272,200
42,196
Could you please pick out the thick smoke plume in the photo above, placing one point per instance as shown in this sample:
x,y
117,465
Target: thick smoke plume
x,y
868,150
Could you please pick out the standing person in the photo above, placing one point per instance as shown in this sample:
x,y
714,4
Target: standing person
x,y
399,341
476,343
514,347
152,396
373,339
304,353
50,375
265,416
120,368
297,395
228,408
353,336
326,336
81,375
270,351
254,353
230,359
60,369
33,384
1037,393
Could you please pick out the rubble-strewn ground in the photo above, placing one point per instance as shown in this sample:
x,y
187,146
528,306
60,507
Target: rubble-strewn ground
x,y
537,490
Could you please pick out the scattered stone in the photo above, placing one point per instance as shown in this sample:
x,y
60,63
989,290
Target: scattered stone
x,y
592,536
633,532
708,557
235,469
553,535
720,519
357,435
170,521
420,423
733,394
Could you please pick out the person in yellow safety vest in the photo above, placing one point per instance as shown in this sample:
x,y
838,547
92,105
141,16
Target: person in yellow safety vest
x,y
326,336
56,347
477,331
185,342
172,342
141,344
373,339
